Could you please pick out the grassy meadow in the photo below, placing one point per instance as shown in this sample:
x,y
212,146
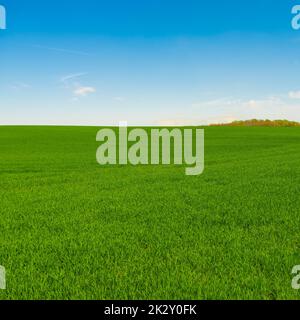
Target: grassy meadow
x,y
71,229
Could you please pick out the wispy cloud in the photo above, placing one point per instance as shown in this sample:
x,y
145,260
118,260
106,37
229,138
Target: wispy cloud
x,y
226,101
196,121
20,86
73,76
280,106
119,99
62,50
241,104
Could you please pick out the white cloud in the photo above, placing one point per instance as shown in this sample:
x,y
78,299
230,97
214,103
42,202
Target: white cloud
x,y
294,94
78,90
83,91
228,109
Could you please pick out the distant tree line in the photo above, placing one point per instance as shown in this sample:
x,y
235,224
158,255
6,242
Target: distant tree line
x,y
260,123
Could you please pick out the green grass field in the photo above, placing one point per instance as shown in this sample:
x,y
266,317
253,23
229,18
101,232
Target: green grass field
x,y
71,229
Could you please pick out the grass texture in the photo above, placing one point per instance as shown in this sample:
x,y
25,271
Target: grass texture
x,y
71,229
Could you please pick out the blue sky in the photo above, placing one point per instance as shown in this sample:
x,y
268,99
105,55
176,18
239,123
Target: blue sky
x,y
155,62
